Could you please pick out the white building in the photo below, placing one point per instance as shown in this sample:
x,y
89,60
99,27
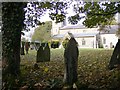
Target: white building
x,y
109,37
86,37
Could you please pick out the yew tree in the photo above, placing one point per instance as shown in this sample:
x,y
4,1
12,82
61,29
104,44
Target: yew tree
x,y
12,21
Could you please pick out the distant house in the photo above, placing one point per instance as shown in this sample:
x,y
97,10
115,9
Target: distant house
x,y
109,37
86,37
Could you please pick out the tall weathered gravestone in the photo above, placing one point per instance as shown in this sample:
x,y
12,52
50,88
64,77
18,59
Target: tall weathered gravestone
x,y
71,62
46,53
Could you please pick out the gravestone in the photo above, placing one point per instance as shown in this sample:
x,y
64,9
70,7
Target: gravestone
x,y
43,54
115,58
40,55
46,53
71,62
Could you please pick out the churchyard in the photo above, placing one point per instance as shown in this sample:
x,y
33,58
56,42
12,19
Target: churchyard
x,y
93,72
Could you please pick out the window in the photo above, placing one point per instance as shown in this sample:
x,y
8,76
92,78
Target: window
x,y
83,41
104,40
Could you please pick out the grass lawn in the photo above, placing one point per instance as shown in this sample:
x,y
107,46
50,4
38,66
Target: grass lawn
x,y
92,70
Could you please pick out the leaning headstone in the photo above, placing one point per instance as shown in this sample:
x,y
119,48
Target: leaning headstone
x,y
46,53
40,55
115,58
71,62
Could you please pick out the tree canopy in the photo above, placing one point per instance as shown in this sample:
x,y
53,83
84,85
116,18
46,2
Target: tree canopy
x,y
43,32
95,13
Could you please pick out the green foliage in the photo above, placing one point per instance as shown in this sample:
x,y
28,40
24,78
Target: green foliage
x,y
56,12
43,32
97,13
64,43
55,44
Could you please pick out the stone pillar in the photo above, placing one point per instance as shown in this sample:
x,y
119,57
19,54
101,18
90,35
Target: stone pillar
x,y
71,62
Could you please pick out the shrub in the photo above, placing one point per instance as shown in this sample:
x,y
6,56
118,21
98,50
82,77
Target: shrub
x,y
55,44
64,43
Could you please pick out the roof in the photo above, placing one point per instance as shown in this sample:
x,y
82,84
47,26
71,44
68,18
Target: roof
x,y
110,29
107,30
78,26
74,27
58,36
76,35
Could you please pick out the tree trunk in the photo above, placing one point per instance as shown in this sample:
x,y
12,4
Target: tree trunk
x,y
12,19
115,58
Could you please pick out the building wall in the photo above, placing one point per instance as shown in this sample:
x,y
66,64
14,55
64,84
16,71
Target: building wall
x,y
55,28
74,31
108,40
86,42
